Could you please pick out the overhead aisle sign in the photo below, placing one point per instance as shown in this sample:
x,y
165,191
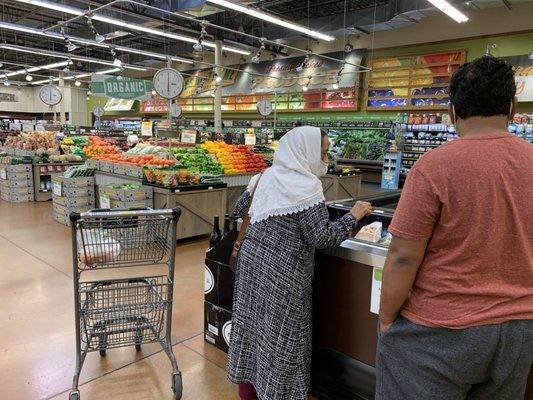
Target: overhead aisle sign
x,y
120,87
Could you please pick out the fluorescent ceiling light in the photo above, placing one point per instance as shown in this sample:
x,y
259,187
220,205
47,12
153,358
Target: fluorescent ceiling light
x,y
124,24
88,42
450,10
34,69
270,18
65,55
68,78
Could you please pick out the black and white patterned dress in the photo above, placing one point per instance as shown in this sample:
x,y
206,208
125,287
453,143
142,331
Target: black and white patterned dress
x,y
272,307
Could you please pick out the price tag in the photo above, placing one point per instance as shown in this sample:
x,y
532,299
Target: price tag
x,y
249,139
57,189
28,127
146,128
375,294
3,174
188,137
104,202
256,124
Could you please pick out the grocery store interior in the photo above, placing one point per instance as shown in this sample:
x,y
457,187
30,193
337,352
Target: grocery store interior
x,y
146,105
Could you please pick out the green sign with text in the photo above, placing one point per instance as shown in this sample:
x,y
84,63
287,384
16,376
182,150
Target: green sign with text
x,y
118,87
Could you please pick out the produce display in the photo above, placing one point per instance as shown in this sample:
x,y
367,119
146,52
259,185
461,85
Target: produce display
x,y
77,171
32,141
360,144
145,148
170,177
136,160
53,155
12,160
97,146
236,159
197,159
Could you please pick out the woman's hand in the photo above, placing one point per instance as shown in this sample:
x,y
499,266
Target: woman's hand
x,y
361,210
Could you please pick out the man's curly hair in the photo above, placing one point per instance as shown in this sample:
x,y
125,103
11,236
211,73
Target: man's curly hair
x,y
484,87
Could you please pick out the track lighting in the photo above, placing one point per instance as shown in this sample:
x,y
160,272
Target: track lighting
x,y
306,87
213,93
89,92
255,59
335,86
116,61
154,92
29,78
302,65
198,45
6,82
71,46
218,78
77,83
97,37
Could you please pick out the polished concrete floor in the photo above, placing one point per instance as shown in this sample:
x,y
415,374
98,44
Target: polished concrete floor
x,y
37,339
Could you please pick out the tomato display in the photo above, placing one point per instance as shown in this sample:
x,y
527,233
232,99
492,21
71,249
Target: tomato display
x,y
236,159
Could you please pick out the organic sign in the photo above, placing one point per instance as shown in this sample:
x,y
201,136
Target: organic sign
x,y
120,87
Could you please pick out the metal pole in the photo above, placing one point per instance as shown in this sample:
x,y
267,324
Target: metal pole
x,y
218,88
62,118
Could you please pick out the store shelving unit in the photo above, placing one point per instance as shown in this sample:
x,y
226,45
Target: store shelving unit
x,y
411,82
43,174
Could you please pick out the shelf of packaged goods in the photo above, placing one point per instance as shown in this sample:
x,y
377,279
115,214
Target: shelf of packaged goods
x,y
415,151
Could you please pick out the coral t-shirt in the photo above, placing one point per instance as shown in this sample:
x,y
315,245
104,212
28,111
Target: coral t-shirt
x,y
473,199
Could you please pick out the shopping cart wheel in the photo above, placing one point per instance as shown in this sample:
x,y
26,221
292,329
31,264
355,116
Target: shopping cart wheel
x,y
177,385
102,344
138,339
102,353
138,347
74,395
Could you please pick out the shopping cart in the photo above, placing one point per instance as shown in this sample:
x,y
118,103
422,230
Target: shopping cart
x,y
129,311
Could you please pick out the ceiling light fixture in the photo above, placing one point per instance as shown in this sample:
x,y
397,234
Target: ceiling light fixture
x,y
52,79
198,46
154,92
97,37
213,94
33,69
29,78
449,10
89,92
43,52
270,18
302,65
255,59
6,82
124,24
77,83
335,85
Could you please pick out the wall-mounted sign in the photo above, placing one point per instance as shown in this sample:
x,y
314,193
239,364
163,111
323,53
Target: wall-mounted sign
x,y
120,87
293,72
523,66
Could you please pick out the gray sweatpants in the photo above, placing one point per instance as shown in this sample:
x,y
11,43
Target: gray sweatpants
x,y
490,362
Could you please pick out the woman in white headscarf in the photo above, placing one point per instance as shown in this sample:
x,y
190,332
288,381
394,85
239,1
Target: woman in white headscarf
x,y
270,349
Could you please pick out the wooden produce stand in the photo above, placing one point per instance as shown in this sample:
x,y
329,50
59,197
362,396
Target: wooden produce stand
x,y
199,204
341,186
237,184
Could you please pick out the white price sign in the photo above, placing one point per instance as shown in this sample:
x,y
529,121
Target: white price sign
x,y
146,128
28,127
188,137
57,189
3,174
375,294
249,139
104,202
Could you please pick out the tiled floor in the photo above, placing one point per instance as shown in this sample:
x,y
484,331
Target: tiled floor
x,y
37,352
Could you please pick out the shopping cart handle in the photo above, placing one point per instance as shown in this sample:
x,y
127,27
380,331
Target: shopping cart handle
x,y
133,212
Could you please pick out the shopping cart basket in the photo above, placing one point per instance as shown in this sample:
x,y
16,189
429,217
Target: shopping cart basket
x,y
129,311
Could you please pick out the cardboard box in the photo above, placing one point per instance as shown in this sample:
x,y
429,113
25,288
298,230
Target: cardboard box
x,y
19,168
87,191
18,191
105,166
134,171
130,204
219,284
124,195
16,198
217,326
119,169
79,182
18,183
67,210
72,202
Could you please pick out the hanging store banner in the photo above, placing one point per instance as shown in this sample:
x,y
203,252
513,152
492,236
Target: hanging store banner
x,y
287,75
523,66
120,87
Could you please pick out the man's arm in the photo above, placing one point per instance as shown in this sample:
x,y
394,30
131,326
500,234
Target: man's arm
x,y
402,263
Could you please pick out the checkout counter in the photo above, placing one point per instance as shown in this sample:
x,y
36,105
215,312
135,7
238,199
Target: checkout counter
x,y
345,329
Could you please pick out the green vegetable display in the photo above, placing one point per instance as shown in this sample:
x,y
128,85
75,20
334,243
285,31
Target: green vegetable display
x,y
360,144
197,159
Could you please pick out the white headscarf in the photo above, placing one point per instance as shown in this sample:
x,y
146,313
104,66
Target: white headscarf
x,y
291,185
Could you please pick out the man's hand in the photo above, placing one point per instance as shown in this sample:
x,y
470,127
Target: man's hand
x,y
384,326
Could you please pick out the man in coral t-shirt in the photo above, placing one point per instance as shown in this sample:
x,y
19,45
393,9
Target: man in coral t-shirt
x,y
456,315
